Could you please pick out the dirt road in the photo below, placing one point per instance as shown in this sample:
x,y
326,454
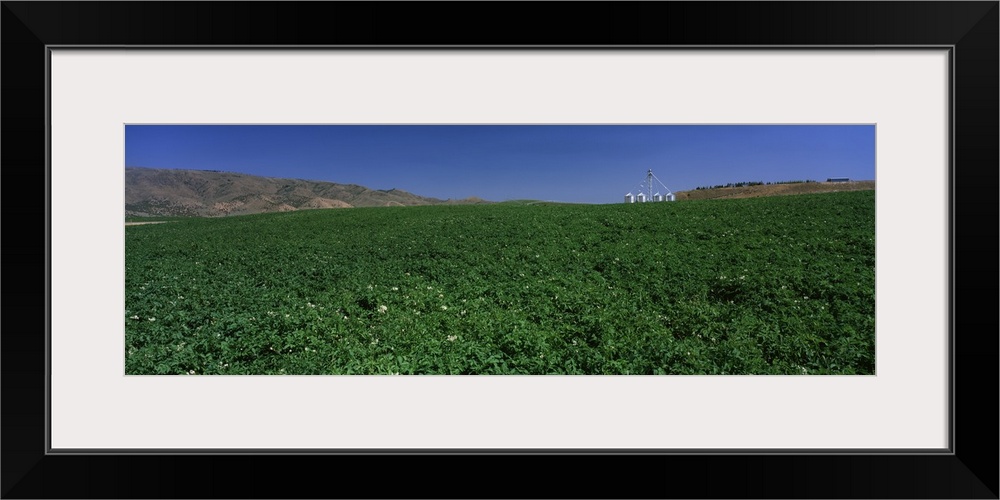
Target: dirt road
x,y
148,222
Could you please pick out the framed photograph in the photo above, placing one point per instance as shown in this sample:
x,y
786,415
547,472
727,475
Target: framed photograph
x,y
782,394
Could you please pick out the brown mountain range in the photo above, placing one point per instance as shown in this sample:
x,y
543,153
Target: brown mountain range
x,y
209,193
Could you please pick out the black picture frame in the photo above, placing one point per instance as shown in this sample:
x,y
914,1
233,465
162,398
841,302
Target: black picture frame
x,y
970,470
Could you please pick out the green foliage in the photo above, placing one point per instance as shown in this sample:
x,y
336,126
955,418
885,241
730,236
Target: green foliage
x,y
782,285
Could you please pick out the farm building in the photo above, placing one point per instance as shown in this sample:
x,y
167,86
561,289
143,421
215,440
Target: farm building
x,y
838,179
645,191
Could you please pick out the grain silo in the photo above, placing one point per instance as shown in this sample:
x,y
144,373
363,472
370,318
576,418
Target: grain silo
x,y
645,190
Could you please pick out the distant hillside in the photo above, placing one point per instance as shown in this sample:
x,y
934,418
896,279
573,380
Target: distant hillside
x,y
203,193
774,190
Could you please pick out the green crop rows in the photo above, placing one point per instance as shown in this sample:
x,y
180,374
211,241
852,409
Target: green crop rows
x,y
781,285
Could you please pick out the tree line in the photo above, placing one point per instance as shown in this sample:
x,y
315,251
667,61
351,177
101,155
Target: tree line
x,y
750,183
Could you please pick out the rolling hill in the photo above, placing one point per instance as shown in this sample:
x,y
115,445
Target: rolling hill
x,y
151,192
774,190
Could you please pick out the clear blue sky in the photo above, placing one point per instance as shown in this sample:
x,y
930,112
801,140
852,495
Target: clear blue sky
x,y
570,163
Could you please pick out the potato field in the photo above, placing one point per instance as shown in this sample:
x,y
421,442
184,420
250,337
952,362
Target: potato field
x,y
777,285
